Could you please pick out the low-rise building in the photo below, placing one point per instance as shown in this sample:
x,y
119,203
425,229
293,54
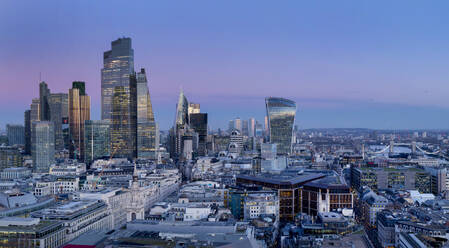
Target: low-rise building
x,y
79,217
31,232
56,185
259,204
15,173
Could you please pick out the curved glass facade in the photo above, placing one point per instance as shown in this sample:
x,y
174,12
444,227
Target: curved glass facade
x,y
281,118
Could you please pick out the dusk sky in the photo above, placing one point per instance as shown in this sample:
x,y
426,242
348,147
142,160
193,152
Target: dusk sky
x,y
373,64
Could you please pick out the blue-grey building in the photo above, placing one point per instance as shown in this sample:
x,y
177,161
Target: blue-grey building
x,y
281,118
97,140
16,134
43,145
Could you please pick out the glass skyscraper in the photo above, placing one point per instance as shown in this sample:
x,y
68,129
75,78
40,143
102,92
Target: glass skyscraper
x,y
281,118
97,142
44,107
198,122
79,112
124,121
58,103
147,131
118,66
43,145
16,134
181,126
27,122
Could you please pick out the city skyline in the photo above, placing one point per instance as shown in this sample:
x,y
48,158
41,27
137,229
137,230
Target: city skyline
x,y
380,70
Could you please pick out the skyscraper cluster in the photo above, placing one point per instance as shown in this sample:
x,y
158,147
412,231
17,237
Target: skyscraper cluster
x,y
57,122
188,136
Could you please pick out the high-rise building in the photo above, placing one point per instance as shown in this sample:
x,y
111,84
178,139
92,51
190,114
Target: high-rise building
x,y
238,124
43,145
27,122
58,103
118,66
16,134
245,130
281,117
194,108
44,106
97,142
252,127
147,130
78,112
10,157
181,126
198,122
124,121
35,110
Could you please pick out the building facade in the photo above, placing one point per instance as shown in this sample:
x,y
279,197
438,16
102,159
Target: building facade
x,y
124,121
118,66
10,157
79,112
58,104
147,129
16,134
97,140
198,122
43,145
281,118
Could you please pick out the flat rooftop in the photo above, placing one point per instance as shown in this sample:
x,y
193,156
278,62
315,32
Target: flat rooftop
x,y
283,179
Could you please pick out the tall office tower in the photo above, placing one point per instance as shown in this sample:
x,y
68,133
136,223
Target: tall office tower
x,y
118,66
35,110
97,140
44,106
198,122
181,126
43,145
245,130
182,110
147,132
251,127
231,125
194,108
238,124
16,134
124,121
27,122
78,112
281,117
58,103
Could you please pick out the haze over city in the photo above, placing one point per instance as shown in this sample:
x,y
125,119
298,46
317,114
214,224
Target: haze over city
x,y
380,65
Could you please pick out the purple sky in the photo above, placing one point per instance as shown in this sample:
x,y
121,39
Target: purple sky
x,y
375,64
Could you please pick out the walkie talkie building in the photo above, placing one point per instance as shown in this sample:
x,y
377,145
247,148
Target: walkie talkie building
x,y
281,118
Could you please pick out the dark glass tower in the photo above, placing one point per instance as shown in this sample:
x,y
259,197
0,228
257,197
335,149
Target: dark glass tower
x,y
118,66
198,122
58,103
281,117
44,107
27,122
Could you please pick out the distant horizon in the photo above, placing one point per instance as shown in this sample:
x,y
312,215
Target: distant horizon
x,y
346,65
